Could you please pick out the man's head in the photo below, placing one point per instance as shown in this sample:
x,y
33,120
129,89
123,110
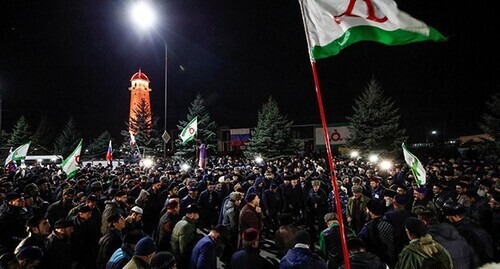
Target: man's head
x,y
145,249
235,197
14,199
84,212
68,195
250,237
252,199
454,211
38,225
116,221
64,227
330,218
415,228
193,211
30,257
419,193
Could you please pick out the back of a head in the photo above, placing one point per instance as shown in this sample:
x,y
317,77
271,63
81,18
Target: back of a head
x,y
302,237
163,260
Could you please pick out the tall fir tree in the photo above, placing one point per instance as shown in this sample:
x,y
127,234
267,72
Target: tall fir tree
x,y
43,136
98,147
206,130
21,133
374,125
144,126
68,139
272,138
490,124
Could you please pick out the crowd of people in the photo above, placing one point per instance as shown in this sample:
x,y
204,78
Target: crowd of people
x,y
218,216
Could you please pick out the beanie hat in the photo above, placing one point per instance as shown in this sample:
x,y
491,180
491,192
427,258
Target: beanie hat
x,y
421,191
63,223
250,235
92,198
137,210
355,243
34,221
375,207
415,226
400,199
146,246
250,197
453,208
193,208
84,209
163,260
12,196
390,193
302,237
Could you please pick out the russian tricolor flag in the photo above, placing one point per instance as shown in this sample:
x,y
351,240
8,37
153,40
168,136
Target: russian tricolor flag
x,y
109,153
239,137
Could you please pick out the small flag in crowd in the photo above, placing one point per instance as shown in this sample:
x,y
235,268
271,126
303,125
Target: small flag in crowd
x,y
415,165
132,140
109,153
18,154
189,132
203,156
71,164
332,25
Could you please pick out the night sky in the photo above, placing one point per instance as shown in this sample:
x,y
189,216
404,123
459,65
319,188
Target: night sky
x,y
75,58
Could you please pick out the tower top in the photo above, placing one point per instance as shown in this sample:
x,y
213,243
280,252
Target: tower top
x,y
139,75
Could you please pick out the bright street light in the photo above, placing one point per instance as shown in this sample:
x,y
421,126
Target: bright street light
x,y
373,158
185,167
385,165
147,162
259,160
354,154
143,15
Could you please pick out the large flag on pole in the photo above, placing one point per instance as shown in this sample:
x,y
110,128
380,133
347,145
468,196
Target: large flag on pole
x,y
18,154
132,140
203,156
71,164
189,132
415,166
109,153
332,25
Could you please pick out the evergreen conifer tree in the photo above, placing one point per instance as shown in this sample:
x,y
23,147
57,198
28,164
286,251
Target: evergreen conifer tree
x,y
144,127
374,125
43,135
68,140
490,124
98,147
206,130
272,138
20,133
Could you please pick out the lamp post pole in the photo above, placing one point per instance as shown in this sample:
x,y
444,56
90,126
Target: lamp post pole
x,y
165,120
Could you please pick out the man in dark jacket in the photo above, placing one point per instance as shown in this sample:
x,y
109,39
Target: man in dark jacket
x,y
82,240
58,254
61,208
360,259
123,255
251,214
118,205
329,241
248,256
209,202
204,254
293,199
110,241
38,229
12,221
301,255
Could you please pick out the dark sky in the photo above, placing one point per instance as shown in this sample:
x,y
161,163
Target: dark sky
x,y
75,58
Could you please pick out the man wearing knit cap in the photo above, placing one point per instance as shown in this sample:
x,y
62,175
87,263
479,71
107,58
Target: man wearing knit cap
x,y
185,236
143,253
251,215
110,241
329,240
124,254
168,220
421,199
423,251
248,256
378,234
58,254
356,208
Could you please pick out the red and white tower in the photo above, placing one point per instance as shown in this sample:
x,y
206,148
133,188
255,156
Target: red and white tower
x,y
139,90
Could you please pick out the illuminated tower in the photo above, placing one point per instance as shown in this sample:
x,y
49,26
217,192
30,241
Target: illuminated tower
x,y
139,89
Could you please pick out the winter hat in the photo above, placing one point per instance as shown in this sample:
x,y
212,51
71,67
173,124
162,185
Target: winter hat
x,y
400,199
146,246
390,193
375,207
92,198
163,260
84,209
415,226
302,237
250,235
250,197
193,208
34,221
137,210
113,218
172,204
12,196
453,208
63,223
421,191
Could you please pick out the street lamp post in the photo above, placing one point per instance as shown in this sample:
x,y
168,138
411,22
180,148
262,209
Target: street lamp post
x,y
144,16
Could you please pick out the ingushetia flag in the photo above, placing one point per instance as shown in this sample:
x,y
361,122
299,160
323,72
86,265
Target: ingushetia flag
x,y
71,164
332,25
18,154
189,132
415,166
